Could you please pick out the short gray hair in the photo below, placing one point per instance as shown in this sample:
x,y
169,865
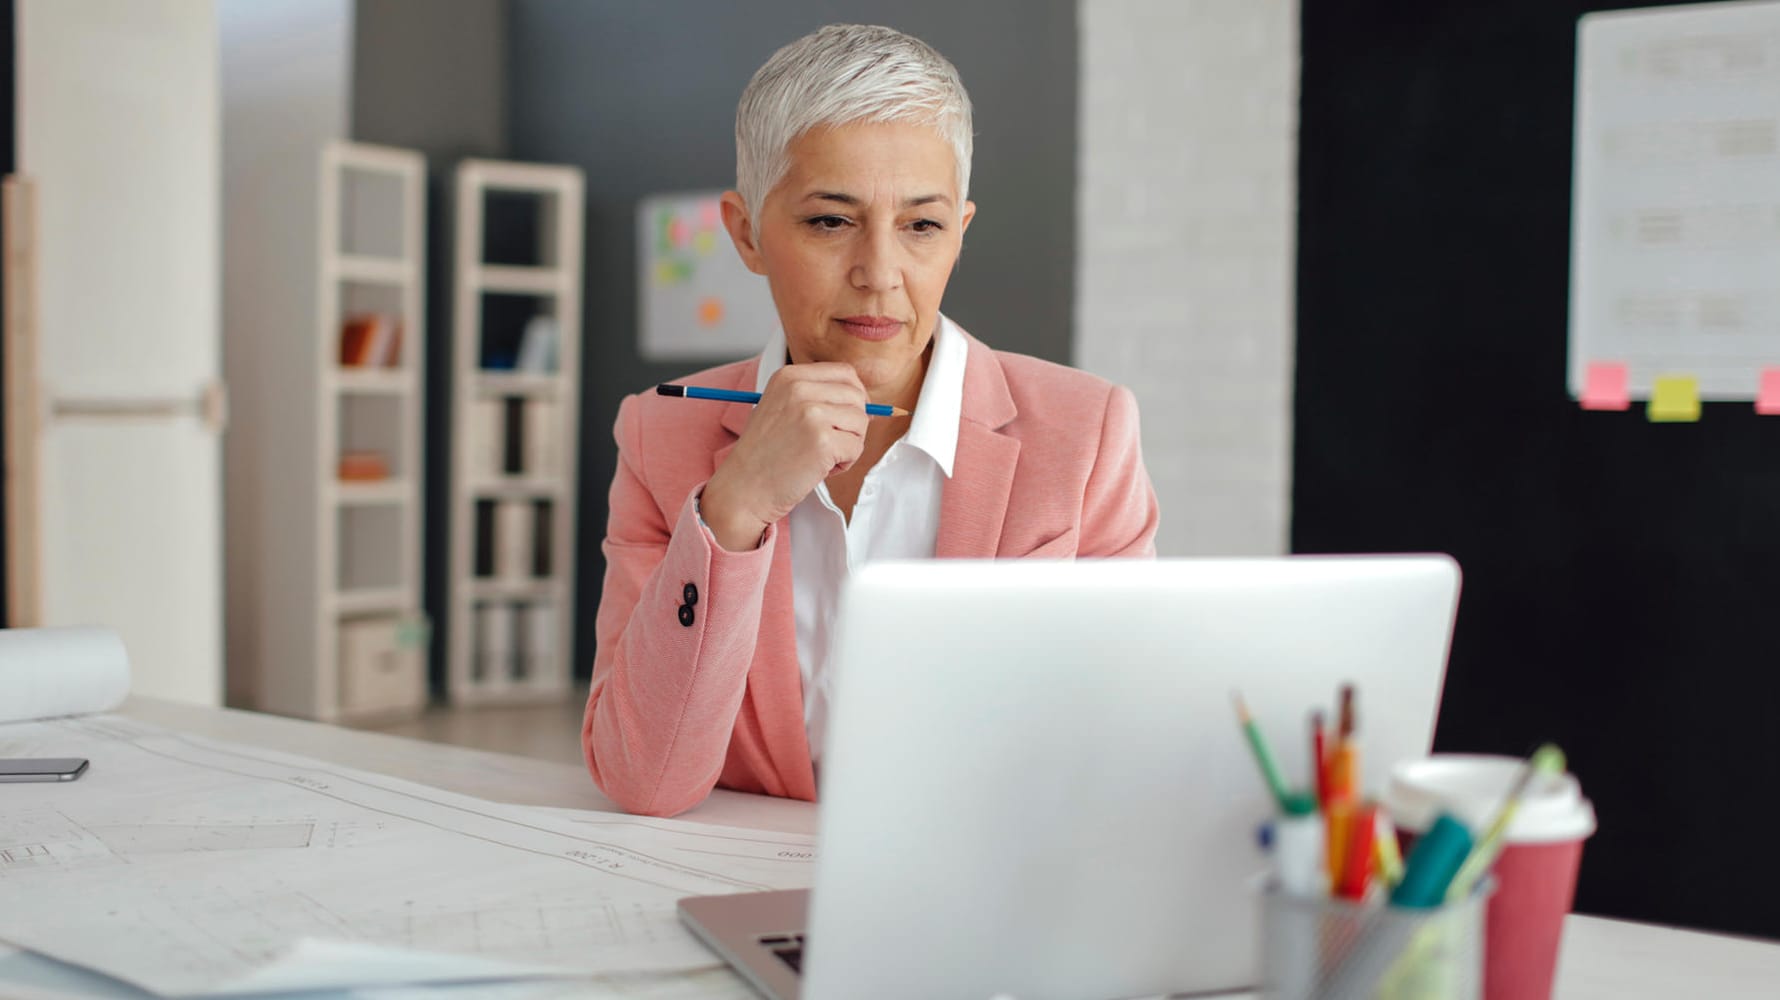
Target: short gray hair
x,y
838,75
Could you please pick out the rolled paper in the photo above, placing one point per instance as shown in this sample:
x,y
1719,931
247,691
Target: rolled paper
x,y
48,672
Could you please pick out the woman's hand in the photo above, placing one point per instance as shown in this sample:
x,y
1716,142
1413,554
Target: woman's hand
x,y
809,424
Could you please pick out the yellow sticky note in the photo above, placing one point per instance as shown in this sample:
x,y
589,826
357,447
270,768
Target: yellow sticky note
x,y
1674,399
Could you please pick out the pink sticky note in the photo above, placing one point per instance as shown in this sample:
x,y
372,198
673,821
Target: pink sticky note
x,y
1767,398
1604,387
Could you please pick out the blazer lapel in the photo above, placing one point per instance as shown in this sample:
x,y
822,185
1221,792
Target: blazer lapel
x,y
735,415
973,504
776,695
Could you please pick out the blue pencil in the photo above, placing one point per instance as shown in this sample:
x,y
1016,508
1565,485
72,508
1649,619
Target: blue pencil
x,y
738,396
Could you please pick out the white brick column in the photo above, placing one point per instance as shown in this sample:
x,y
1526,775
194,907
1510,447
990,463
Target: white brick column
x,y
1186,212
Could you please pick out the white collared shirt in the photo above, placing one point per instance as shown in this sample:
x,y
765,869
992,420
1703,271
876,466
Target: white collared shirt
x,y
895,517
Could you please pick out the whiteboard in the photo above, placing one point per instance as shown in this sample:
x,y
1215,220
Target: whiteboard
x,y
696,299
1675,247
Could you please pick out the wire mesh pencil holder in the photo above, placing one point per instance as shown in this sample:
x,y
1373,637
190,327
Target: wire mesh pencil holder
x,y
1316,948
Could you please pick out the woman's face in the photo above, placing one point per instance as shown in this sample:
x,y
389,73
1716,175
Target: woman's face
x,y
857,242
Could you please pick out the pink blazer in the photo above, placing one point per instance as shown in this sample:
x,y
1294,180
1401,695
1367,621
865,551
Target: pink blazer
x,y
696,680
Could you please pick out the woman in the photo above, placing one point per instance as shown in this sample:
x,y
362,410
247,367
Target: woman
x,y
732,527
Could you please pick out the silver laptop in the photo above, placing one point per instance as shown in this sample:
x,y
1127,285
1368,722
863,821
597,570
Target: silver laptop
x,y
1035,784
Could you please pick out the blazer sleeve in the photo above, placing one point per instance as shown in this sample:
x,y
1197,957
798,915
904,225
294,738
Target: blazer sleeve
x,y
676,629
1119,512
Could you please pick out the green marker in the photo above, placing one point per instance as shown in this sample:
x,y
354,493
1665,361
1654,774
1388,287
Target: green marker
x,y
1546,760
1263,757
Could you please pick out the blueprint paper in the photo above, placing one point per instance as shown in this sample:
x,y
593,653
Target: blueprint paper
x,y
313,964
186,866
29,976
47,672
1676,219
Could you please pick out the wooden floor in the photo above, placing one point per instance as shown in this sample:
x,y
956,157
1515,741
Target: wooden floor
x,y
547,732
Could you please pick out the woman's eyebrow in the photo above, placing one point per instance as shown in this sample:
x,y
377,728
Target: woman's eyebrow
x,y
853,201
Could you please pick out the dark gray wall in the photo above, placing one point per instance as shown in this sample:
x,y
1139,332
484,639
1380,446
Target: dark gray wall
x,y
642,97
431,75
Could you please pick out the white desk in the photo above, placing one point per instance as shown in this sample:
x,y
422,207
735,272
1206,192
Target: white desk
x,y
1602,959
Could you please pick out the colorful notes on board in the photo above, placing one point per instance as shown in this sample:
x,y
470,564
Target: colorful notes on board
x,y
1606,386
1674,399
1767,396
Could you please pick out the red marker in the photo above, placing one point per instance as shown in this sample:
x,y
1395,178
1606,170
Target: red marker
x,y
1319,763
1356,870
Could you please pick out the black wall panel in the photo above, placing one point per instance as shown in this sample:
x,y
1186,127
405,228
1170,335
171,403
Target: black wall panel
x,y
1621,587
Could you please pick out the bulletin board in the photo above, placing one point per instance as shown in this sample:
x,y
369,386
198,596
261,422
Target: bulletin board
x,y
1676,241
696,300
1621,592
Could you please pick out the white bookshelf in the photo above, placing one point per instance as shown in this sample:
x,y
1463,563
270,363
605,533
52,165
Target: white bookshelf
x,y
514,433
331,603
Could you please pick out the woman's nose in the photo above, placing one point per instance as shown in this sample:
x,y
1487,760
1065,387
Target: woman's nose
x,y
877,264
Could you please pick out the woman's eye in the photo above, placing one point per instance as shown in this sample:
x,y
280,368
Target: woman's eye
x,y
827,223
926,226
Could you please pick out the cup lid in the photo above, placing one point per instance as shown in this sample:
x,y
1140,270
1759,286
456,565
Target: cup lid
x,y
1473,786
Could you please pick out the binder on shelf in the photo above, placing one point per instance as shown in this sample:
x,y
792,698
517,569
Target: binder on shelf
x,y
522,642
540,624
541,438
537,345
513,440
370,340
484,563
513,539
494,641
543,523
488,438
363,467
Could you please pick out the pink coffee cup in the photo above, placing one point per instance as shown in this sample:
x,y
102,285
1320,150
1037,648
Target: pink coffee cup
x,y
1536,873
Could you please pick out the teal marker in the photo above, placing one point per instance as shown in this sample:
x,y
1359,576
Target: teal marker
x,y
1432,863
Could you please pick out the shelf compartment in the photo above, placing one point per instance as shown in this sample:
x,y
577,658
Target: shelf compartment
x,y
513,539
374,424
370,549
382,662
520,333
515,640
371,213
519,225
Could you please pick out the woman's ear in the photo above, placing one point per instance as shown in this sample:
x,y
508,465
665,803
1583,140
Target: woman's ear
x,y
741,231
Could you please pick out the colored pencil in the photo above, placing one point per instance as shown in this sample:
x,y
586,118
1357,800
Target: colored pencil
x,y
739,396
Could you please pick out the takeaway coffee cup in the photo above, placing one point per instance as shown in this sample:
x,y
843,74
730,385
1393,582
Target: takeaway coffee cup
x,y
1536,873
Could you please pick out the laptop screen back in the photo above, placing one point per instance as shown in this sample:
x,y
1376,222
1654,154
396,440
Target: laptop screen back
x,y
1035,783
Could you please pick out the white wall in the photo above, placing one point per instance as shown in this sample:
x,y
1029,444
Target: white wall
x,y
117,123
1186,210
286,90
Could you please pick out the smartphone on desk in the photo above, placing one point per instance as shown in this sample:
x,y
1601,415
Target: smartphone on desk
x,y
42,768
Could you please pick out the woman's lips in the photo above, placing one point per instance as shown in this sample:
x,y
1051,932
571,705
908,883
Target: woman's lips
x,y
871,327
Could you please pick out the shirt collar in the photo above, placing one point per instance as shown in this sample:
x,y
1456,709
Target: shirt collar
x,y
934,427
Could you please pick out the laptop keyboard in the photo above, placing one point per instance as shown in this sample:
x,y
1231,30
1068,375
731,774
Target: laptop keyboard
x,y
789,948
